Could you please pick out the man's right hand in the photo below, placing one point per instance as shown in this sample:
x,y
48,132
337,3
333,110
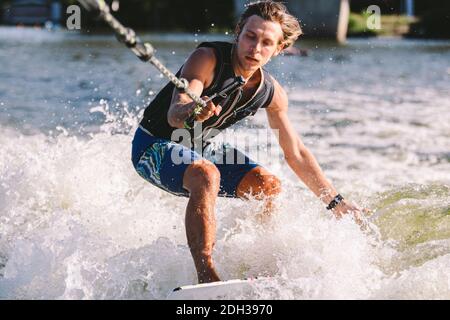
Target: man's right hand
x,y
199,71
207,112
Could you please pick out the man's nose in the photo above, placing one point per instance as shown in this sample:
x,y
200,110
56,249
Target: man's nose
x,y
256,47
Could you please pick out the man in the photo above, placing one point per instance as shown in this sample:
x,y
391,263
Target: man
x,y
264,30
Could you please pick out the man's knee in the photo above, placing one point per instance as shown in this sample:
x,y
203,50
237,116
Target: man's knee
x,y
202,175
259,183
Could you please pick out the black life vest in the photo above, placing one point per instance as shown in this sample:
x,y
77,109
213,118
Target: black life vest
x,y
233,110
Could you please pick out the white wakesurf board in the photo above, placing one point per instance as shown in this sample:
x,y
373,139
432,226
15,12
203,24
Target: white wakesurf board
x,y
216,290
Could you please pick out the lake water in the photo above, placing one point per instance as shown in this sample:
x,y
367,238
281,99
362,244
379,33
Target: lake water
x,y
77,222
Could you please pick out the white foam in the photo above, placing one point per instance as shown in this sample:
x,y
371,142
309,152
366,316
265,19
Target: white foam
x,y
78,223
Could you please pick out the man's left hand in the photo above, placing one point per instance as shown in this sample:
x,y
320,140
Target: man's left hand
x,y
349,208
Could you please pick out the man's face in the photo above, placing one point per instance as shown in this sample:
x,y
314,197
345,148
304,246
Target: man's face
x,y
258,41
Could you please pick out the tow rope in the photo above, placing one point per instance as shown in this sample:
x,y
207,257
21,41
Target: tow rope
x,y
144,51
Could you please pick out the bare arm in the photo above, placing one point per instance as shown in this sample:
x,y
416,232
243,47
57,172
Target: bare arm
x,y
199,71
299,158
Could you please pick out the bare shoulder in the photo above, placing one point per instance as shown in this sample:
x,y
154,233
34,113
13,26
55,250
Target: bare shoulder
x,y
200,66
280,98
204,54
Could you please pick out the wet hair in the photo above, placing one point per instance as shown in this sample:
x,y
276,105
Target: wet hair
x,y
275,12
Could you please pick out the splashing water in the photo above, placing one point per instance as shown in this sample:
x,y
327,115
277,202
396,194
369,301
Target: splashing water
x,y
77,222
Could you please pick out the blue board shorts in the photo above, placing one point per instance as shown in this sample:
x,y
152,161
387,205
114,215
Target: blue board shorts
x,y
163,162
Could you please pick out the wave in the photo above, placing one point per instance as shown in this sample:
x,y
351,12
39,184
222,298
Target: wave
x,y
77,222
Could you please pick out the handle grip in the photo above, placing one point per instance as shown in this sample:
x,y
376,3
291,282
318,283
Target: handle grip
x,y
236,84
189,123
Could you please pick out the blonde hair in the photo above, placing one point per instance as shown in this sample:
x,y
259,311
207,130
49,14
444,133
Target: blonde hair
x,y
275,12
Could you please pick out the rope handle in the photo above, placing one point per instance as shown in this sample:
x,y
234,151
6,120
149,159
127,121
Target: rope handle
x,y
237,83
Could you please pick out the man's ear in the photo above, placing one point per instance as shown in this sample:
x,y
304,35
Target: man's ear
x,y
280,48
237,32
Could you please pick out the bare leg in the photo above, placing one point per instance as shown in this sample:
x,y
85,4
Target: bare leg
x,y
202,180
262,185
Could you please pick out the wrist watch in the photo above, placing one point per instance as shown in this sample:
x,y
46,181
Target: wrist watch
x,y
336,200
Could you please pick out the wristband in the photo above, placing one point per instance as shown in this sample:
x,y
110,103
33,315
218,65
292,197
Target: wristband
x,y
335,202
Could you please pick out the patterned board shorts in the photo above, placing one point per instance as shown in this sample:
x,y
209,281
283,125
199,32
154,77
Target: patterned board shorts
x,y
163,163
